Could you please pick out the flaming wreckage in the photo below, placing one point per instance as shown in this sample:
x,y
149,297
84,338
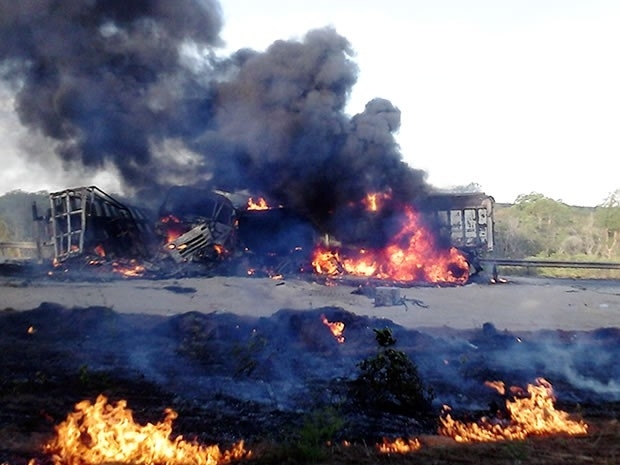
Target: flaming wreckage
x,y
440,239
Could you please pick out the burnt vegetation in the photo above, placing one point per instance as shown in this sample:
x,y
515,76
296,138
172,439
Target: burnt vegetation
x,y
291,389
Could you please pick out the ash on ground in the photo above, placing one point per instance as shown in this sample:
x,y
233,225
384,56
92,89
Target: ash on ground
x,y
231,377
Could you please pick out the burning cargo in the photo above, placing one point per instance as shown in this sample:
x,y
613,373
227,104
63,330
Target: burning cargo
x,y
436,240
464,221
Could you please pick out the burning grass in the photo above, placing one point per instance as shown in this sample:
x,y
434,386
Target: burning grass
x,y
528,415
102,432
53,357
105,432
600,446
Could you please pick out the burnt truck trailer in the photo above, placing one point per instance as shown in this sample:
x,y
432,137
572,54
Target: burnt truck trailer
x,y
462,220
197,225
87,221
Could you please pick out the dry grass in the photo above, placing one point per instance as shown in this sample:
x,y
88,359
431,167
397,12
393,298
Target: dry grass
x,y
600,446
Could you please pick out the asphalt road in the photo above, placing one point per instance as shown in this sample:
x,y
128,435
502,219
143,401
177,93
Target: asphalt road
x,y
518,304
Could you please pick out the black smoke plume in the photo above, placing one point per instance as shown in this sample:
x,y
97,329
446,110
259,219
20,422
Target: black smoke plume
x,y
139,85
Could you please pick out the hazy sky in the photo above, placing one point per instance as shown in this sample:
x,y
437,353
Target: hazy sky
x,y
518,96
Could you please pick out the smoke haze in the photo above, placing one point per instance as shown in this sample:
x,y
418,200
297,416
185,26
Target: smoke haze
x,y
138,87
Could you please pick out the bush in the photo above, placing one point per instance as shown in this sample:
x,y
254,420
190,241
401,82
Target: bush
x,y
389,381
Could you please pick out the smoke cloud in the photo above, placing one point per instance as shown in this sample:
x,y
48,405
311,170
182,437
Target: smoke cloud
x,y
138,86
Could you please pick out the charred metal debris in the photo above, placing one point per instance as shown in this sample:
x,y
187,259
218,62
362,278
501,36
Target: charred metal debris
x,y
196,230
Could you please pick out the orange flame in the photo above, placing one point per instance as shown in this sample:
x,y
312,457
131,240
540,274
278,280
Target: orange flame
x,y
336,328
532,415
99,250
132,269
373,201
326,262
399,446
105,433
260,204
411,255
173,227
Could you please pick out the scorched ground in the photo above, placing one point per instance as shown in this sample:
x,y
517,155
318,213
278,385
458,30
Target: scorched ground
x,y
232,377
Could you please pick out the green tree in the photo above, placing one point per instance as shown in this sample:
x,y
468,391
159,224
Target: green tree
x,y
608,218
16,213
472,187
546,219
513,239
537,226
5,233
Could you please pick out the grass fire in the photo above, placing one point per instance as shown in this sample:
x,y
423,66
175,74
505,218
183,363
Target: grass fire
x,y
104,432
528,414
289,387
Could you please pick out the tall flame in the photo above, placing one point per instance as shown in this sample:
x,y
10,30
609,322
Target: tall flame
x,y
105,433
411,255
531,415
172,227
336,328
260,204
373,201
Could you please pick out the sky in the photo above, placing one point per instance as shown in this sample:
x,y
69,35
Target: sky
x,y
517,96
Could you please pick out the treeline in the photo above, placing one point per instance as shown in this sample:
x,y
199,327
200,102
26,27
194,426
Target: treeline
x,y
16,216
538,227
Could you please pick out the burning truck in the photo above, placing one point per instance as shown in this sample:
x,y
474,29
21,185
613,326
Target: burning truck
x,y
440,238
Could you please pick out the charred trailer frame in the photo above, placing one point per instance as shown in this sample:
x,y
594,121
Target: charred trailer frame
x,y
462,220
86,220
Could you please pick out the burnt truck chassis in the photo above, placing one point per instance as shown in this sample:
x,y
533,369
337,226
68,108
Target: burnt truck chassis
x,y
204,227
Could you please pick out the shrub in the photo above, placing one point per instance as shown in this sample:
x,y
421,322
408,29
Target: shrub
x,y
390,381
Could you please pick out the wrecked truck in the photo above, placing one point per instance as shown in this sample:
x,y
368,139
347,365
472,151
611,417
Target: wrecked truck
x,y
203,226
192,225
87,221
462,220
197,225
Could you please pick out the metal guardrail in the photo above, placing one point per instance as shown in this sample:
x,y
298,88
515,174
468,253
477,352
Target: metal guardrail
x,y
19,249
549,263
18,245
24,250
495,262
